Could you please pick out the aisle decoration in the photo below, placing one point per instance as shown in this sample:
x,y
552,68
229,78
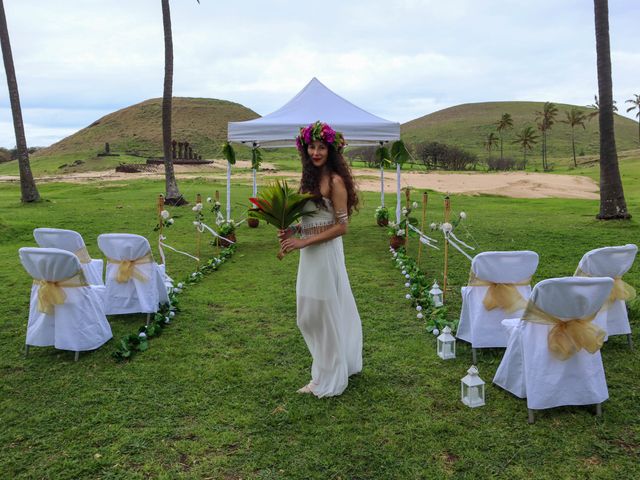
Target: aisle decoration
x,y
382,216
472,388
280,206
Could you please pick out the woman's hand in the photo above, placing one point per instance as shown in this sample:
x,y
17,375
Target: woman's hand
x,y
290,244
286,233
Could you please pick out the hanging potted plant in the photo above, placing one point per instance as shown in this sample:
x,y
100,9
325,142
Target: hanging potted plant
x,y
397,234
227,230
382,216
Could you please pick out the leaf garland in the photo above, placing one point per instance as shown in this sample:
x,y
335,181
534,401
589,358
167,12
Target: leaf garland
x,y
229,153
133,343
256,158
399,152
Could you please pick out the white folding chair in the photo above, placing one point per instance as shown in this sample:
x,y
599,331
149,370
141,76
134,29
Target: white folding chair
x,y
72,242
65,311
499,286
544,361
134,281
612,262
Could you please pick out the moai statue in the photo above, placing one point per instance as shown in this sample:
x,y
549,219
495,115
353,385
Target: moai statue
x,y
186,150
190,156
107,148
173,149
180,149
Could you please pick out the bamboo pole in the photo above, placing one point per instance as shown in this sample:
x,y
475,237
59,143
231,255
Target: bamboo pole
x,y
447,214
198,233
407,193
425,198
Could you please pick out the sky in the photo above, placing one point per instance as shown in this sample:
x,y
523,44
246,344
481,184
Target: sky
x,y
77,61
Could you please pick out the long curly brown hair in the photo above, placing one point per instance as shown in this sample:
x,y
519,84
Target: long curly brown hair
x,y
310,182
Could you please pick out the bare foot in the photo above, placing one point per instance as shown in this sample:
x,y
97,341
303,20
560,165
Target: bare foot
x,y
307,388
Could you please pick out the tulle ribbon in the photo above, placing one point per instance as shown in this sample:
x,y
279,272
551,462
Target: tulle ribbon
x,y
567,337
51,293
83,255
500,295
128,268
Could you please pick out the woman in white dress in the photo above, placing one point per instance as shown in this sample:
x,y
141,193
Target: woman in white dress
x,y
326,310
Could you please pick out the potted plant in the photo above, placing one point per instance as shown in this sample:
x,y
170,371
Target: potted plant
x,y
382,216
227,230
396,232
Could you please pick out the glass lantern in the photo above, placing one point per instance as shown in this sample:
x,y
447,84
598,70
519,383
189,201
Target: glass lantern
x,y
436,294
446,344
472,389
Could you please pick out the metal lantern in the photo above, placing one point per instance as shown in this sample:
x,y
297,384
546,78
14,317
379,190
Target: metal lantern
x,y
472,389
436,295
446,344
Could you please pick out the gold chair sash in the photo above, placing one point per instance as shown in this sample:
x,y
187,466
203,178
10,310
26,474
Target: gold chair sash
x,y
500,295
83,255
51,294
128,270
567,337
621,289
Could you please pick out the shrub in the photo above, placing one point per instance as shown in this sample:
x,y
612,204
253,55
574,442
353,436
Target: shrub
x,y
363,154
436,155
504,164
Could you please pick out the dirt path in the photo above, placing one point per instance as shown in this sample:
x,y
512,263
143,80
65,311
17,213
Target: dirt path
x,y
510,184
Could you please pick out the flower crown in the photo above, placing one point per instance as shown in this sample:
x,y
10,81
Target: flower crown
x,y
319,131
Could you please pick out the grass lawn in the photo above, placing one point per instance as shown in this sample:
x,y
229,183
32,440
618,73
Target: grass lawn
x,y
214,396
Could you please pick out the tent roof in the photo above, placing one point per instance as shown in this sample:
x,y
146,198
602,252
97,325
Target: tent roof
x,y
315,102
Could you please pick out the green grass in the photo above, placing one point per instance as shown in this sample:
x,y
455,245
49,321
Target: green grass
x,y
214,396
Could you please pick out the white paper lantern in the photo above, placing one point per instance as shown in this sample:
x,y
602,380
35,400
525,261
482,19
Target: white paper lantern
x,y
436,294
472,388
446,344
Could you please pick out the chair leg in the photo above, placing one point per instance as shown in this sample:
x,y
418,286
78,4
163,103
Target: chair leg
x,y
531,418
148,319
77,356
630,341
598,409
26,351
474,357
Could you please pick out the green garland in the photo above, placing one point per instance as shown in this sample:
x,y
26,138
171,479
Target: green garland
x,y
419,287
130,344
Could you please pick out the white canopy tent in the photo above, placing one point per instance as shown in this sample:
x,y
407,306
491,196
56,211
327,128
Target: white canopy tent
x,y
315,102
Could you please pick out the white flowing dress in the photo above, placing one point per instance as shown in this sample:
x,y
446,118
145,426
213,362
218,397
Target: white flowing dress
x,y
327,314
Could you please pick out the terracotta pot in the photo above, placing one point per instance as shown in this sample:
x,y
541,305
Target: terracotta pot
x,y
224,243
383,222
253,222
396,242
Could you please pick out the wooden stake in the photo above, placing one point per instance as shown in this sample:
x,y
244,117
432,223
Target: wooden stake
x,y
425,198
198,234
407,193
447,213
160,209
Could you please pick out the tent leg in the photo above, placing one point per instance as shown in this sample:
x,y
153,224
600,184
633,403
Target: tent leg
x,y
474,357
630,341
531,418
148,318
26,351
76,356
598,410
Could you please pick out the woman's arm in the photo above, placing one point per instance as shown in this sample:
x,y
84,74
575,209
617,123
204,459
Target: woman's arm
x,y
339,201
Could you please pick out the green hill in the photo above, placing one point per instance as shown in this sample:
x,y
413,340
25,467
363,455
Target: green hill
x,y
200,121
468,125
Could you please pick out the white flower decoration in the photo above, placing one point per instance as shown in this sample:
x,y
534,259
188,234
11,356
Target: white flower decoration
x,y
404,272
408,284
419,316
463,215
400,233
433,226
446,227
404,211
436,331
170,221
419,308
142,335
164,214
407,276
172,314
209,199
180,285
408,296
415,205
217,204
197,207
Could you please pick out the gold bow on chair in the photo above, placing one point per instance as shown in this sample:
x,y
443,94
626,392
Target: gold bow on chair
x,y
500,295
621,289
128,270
567,337
83,255
51,293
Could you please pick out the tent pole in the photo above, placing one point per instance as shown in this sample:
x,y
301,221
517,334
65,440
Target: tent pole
x,y
228,191
381,179
398,195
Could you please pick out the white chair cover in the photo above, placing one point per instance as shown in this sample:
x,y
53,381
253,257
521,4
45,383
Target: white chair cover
x,y
611,262
479,326
72,242
134,296
528,369
78,324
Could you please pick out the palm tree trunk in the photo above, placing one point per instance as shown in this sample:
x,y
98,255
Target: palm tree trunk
x,y
28,189
612,201
173,196
501,156
573,146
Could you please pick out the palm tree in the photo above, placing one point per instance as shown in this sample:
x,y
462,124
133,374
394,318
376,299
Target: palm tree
x,y
545,120
526,138
612,202
505,123
173,195
28,189
596,108
574,119
490,142
635,104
